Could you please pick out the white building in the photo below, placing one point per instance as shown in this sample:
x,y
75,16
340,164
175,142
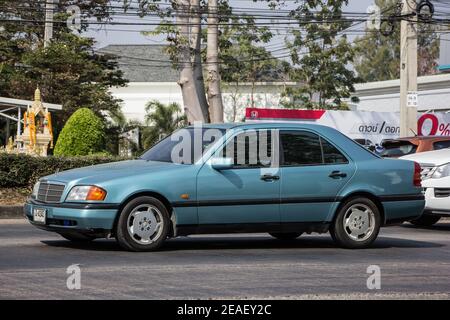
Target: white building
x,y
384,96
152,78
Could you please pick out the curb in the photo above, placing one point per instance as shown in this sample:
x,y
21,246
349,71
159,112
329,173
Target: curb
x,y
10,212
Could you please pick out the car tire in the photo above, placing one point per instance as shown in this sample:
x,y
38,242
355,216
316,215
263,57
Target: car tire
x,y
77,237
425,220
357,223
285,235
143,224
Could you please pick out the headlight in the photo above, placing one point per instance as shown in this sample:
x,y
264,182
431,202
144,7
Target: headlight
x,y
34,194
82,193
442,171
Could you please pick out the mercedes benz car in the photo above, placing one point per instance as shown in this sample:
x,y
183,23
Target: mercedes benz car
x,y
284,179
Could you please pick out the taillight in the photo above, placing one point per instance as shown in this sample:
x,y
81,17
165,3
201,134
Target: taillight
x,y
417,179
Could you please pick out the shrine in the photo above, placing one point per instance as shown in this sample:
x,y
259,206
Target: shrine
x,y
37,135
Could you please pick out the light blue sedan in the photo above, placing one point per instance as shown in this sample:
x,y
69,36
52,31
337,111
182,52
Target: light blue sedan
x,y
281,178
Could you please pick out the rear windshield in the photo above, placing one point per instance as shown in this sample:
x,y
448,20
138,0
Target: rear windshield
x,y
441,145
397,148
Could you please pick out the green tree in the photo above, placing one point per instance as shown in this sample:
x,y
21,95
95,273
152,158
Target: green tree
x,y
116,134
161,121
68,71
242,52
242,56
320,57
377,56
83,134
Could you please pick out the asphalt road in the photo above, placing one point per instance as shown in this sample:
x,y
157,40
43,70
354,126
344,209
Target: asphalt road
x,y
414,263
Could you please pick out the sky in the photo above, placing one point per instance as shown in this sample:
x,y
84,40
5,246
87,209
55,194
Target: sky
x,y
131,34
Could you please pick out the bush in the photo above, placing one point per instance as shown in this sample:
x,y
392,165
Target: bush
x,y
23,171
83,134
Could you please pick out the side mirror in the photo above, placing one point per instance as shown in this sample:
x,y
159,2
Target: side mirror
x,y
221,163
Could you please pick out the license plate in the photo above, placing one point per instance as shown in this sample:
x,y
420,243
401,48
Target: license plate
x,y
39,215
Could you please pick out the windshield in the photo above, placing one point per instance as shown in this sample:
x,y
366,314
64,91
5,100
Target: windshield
x,y
184,146
397,148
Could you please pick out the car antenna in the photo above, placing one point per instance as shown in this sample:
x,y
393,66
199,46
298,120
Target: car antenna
x,y
415,134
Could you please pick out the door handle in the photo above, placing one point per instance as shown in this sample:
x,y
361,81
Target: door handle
x,y
269,177
337,174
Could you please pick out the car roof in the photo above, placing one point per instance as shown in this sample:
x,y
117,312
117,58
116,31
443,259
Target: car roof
x,y
262,124
421,138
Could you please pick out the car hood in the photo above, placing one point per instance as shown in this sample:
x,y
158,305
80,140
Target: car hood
x,y
109,171
436,183
430,158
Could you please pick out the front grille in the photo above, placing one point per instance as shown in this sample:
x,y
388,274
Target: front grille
x,y
426,172
50,192
441,192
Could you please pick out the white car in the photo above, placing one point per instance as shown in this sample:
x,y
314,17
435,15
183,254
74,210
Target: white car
x,y
436,183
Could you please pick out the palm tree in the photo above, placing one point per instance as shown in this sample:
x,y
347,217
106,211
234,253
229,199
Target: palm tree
x,y
117,129
161,121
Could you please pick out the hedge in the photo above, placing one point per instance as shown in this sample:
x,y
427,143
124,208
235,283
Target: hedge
x,y
23,170
83,134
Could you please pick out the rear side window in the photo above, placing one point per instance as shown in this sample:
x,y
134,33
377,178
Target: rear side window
x,y
331,154
300,148
441,145
304,148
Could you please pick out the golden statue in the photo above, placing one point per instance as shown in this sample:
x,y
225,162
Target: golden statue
x,y
10,146
37,127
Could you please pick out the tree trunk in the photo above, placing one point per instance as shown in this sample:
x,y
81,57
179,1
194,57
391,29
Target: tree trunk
x,y
212,59
187,81
195,42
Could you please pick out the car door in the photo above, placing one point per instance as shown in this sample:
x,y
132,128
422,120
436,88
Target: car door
x,y
313,171
246,193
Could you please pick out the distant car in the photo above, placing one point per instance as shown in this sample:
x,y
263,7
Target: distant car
x,y
435,175
394,148
366,143
314,180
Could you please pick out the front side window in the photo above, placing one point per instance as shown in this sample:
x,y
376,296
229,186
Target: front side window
x,y
301,148
250,149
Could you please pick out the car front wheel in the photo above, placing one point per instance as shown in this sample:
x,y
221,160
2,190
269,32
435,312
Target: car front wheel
x,y
143,225
357,223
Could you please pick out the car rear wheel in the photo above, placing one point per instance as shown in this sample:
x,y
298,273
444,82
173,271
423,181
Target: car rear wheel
x,y
143,224
77,237
285,236
426,220
357,223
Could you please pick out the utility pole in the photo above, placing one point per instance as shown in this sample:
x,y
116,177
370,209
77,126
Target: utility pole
x,y
408,69
48,32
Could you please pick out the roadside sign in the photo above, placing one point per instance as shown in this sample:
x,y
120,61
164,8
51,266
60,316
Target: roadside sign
x,y
412,99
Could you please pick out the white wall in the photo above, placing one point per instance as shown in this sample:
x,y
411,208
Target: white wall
x,y
428,100
137,94
384,96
